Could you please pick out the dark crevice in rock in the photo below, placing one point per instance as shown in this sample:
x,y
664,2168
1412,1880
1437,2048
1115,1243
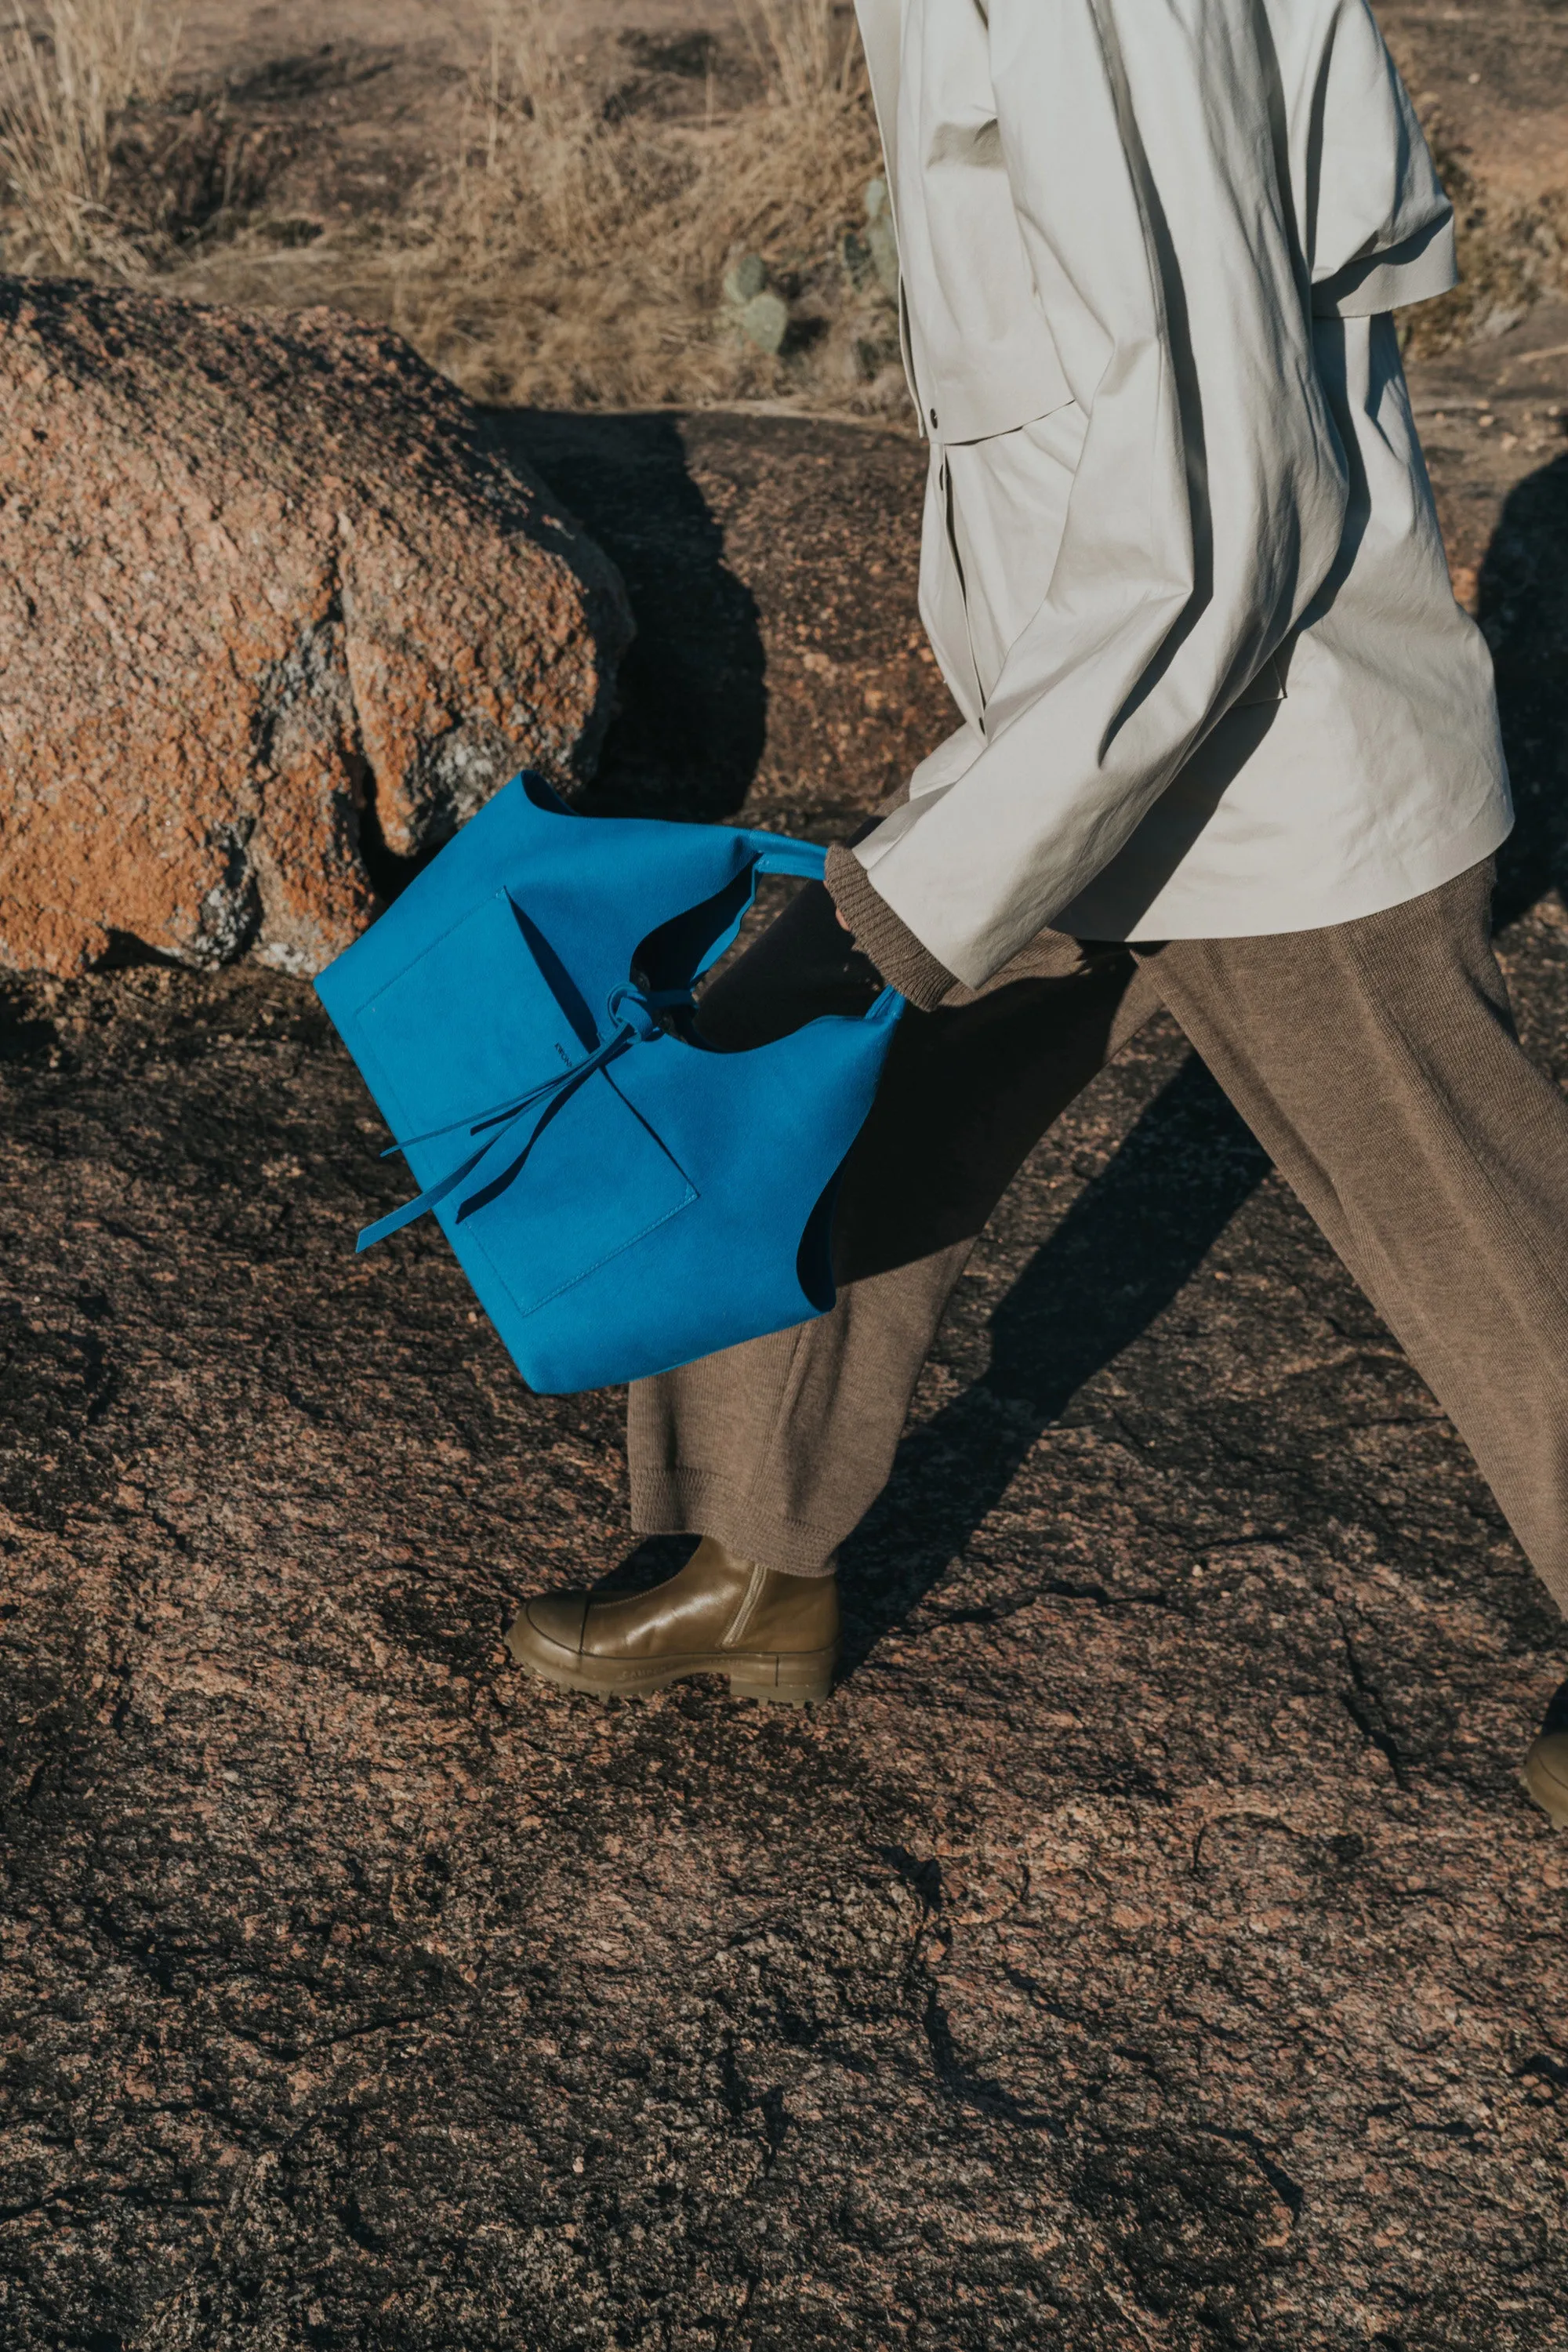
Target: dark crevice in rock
x,y
962,2083
1290,2193
1363,1704
387,872
125,951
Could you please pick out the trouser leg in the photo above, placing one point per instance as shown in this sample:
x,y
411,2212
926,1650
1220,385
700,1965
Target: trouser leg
x,y
1376,1063
778,1448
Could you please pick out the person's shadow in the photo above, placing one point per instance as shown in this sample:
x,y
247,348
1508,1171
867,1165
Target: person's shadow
x,y
686,743
1524,612
1117,1259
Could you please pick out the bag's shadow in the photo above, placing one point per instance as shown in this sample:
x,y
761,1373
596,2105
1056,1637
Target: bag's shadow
x,y
686,742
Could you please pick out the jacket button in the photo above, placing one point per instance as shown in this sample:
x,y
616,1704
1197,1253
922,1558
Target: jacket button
x,y
934,416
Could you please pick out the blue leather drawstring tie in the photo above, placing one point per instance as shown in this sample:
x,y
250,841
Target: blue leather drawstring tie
x,y
634,1012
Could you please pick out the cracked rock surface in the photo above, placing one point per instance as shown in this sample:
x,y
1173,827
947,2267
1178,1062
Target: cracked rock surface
x,y
1148,1946
268,604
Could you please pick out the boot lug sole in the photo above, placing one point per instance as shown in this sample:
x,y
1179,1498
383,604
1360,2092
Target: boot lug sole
x,y
759,1679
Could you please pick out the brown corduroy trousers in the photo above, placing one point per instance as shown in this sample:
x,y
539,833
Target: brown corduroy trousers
x,y
1376,1063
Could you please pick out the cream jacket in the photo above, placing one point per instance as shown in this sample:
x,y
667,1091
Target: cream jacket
x,y
1212,678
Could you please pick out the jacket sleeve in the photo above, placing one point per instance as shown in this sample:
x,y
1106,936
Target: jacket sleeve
x,y
1150,178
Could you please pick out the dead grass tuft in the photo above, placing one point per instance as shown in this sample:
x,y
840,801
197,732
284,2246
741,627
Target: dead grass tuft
x,y
64,91
575,248
1512,249
576,252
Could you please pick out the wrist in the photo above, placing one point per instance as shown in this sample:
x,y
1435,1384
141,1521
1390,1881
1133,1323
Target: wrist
x,y
904,962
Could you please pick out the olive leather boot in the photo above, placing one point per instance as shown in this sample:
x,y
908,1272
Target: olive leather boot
x,y
1546,1766
775,1636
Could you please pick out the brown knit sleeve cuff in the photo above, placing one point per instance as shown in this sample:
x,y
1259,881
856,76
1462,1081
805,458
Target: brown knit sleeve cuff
x,y
891,946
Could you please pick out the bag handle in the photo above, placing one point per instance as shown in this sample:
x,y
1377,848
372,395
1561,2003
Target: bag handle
x,y
769,852
807,860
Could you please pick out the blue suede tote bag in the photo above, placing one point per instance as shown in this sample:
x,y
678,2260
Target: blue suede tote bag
x,y
622,1198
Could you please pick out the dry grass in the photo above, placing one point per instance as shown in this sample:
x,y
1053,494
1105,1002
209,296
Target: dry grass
x,y
65,89
1511,215
1513,253
571,251
574,253
573,248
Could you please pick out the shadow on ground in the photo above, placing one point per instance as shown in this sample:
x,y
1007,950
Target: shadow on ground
x,y
1524,612
691,721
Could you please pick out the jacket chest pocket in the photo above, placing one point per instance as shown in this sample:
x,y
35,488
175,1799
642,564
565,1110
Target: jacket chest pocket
x,y
985,359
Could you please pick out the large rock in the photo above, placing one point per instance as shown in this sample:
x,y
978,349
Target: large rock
x,y
267,600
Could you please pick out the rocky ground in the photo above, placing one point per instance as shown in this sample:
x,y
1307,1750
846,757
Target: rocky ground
x,y
1149,1944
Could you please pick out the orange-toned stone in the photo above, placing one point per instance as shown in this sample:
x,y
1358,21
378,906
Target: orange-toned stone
x,y
264,590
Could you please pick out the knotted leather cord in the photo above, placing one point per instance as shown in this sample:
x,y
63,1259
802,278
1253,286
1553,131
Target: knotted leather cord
x,y
802,859
642,1028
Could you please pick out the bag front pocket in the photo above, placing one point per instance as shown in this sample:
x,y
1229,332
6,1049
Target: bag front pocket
x,y
597,1180
482,1016
471,1021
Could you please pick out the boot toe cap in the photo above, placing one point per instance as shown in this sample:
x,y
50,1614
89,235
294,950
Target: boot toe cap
x,y
1546,1776
551,1624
